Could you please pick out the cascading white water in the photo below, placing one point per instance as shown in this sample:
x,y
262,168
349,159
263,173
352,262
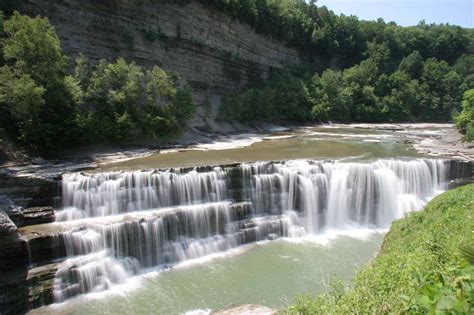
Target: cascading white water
x,y
333,195
125,221
105,194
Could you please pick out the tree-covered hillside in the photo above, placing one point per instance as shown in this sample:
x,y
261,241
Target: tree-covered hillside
x,y
376,71
373,72
345,40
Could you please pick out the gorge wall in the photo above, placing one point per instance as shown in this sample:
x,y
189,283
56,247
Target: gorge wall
x,y
211,52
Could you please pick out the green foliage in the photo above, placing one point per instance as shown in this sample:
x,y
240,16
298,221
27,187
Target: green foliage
x,y
421,267
46,108
465,120
32,52
407,73
21,102
412,65
344,39
124,102
416,90
115,93
183,107
152,34
329,97
285,97
465,67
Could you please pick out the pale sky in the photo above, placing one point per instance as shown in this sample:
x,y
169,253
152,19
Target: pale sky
x,y
407,12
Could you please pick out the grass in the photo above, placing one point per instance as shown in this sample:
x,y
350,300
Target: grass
x,y
424,266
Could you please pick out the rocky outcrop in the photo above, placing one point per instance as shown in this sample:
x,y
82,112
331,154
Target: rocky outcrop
x,y
22,289
32,216
213,53
40,281
12,247
28,191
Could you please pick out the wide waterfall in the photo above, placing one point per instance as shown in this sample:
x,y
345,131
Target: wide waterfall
x,y
120,223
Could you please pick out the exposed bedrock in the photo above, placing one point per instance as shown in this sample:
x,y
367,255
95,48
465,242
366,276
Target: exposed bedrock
x,y
12,247
209,50
22,289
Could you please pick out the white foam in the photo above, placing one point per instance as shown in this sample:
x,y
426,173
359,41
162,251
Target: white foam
x,y
199,312
224,143
236,142
351,135
217,256
129,216
329,236
280,137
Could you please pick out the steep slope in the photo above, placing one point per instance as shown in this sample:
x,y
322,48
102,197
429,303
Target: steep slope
x,y
214,54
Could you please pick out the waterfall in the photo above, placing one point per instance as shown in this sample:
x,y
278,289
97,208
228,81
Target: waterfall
x,y
104,194
120,223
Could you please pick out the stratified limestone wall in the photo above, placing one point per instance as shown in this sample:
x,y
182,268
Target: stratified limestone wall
x,y
214,54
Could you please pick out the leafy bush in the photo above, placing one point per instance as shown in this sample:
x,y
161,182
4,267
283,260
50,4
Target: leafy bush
x,y
465,120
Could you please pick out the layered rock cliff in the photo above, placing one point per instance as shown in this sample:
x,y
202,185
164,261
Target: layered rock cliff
x,y
211,52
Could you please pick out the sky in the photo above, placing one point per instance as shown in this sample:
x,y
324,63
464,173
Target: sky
x,y
407,12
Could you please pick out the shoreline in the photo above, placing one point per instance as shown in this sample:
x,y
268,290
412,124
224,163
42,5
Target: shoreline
x,y
436,140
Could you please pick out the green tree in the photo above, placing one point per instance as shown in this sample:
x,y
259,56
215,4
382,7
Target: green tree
x,y
115,96
160,87
330,99
82,71
401,96
412,65
183,106
465,120
21,102
32,49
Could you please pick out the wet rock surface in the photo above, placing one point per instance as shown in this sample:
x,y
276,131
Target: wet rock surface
x,y
7,227
430,139
12,247
37,215
22,289
248,309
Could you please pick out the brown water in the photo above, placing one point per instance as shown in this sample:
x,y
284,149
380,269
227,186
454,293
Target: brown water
x,y
307,143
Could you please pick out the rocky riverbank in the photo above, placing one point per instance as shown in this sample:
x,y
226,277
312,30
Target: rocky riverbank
x,y
431,139
440,140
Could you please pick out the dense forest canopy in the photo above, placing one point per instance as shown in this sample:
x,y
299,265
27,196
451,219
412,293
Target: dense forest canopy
x,y
374,72
346,39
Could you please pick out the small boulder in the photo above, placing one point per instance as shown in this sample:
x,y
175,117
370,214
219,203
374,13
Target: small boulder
x,y
7,227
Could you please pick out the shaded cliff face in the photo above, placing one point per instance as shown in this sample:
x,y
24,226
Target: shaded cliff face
x,y
214,54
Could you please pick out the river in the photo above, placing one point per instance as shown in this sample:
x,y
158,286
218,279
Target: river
x,y
264,218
